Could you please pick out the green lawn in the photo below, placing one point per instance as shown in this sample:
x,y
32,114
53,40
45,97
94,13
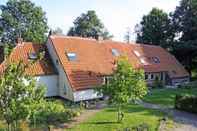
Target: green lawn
x,y
167,96
105,120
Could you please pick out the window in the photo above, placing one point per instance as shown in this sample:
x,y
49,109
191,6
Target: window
x,y
71,56
146,76
57,62
136,53
151,76
115,52
33,56
156,60
142,60
65,89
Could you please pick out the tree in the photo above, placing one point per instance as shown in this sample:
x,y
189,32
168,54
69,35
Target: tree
x,y
19,94
127,36
155,29
185,23
125,85
22,18
57,31
89,25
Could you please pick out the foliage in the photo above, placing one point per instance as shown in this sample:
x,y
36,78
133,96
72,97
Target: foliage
x,y
186,103
185,22
125,85
135,115
57,31
50,113
22,18
166,97
155,29
127,37
18,94
89,25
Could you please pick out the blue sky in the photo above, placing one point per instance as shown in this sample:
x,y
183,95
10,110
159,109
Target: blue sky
x,y
116,15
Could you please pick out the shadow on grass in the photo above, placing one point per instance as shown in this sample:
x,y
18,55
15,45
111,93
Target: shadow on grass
x,y
103,122
137,109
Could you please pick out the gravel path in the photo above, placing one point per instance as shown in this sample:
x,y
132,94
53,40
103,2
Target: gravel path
x,y
184,121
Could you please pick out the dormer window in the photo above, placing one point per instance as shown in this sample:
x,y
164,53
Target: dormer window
x,y
72,56
115,52
33,56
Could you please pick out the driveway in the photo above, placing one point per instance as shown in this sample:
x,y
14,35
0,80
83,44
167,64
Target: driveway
x,y
184,121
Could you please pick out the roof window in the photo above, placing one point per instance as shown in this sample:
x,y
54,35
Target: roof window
x,y
115,52
72,56
143,61
33,56
136,53
156,60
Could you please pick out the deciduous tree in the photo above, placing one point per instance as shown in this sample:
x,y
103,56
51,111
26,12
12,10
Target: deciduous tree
x,y
89,25
19,94
22,18
124,86
155,29
185,24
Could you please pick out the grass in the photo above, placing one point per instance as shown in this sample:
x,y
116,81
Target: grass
x,y
106,120
166,97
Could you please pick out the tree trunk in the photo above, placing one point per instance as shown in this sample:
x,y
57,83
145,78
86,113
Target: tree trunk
x,y
120,114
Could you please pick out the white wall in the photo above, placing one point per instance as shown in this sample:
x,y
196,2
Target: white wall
x,y
50,81
86,95
64,88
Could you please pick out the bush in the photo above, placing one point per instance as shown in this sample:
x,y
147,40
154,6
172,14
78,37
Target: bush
x,y
192,84
52,112
186,103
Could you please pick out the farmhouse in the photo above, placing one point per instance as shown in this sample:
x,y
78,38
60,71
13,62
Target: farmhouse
x,y
73,66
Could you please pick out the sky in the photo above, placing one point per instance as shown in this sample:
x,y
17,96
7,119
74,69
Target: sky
x,y
116,15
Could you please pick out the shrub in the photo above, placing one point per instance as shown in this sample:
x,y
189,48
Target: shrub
x,y
192,84
186,103
52,112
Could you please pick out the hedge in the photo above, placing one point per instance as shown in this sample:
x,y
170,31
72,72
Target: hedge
x,y
186,103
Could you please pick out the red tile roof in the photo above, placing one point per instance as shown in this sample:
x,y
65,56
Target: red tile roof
x,y
21,52
95,58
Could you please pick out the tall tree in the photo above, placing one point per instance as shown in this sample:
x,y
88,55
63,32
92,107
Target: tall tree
x,y
185,23
18,92
125,85
22,18
89,25
155,29
127,37
57,31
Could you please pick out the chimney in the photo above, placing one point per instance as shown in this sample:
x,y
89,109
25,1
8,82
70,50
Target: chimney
x,y
1,54
19,41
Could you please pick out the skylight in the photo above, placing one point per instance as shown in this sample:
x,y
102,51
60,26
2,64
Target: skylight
x,y
33,55
136,53
156,60
143,61
115,52
71,56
